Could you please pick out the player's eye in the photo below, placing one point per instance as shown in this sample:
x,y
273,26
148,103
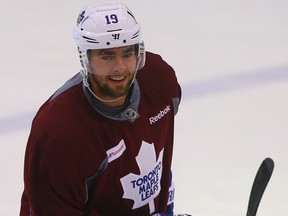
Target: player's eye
x,y
107,57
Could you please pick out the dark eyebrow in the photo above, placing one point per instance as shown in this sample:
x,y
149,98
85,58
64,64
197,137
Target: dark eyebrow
x,y
105,52
111,52
129,49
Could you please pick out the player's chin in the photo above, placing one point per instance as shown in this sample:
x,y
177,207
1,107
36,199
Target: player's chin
x,y
120,89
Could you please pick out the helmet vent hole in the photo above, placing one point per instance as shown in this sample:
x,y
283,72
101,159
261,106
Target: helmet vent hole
x,y
124,41
108,43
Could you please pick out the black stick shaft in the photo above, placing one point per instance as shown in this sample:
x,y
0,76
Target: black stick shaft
x,y
259,185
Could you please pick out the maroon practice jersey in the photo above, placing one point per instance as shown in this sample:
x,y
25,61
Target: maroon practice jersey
x,y
84,158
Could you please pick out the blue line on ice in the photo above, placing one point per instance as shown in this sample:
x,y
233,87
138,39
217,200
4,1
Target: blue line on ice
x,y
192,90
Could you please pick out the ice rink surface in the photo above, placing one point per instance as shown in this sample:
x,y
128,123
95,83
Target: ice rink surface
x,y
231,58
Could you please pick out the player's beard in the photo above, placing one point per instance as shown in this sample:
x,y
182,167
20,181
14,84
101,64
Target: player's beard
x,y
106,90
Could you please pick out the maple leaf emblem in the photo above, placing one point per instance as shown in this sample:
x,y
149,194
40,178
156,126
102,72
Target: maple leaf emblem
x,y
144,188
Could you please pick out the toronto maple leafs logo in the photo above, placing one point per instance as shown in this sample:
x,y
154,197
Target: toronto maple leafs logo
x,y
144,188
80,17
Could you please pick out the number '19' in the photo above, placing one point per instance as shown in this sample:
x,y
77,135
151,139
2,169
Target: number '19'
x,y
111,19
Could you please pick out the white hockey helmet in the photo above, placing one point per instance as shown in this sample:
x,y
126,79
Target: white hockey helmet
x,y
107,26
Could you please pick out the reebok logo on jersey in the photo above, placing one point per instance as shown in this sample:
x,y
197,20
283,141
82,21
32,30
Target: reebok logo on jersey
x,y
116,151
160,115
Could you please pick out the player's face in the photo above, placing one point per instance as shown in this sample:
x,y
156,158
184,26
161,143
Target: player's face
x,y
111,71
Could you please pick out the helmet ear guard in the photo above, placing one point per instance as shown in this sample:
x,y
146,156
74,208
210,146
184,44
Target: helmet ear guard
x,y
84,62
142,55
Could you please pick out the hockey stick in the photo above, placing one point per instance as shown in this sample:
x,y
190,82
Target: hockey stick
x,y
259,185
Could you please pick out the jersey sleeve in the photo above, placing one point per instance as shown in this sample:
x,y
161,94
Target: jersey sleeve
x,y
53,183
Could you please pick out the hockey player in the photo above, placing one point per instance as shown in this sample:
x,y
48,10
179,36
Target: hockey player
x,y
102,144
